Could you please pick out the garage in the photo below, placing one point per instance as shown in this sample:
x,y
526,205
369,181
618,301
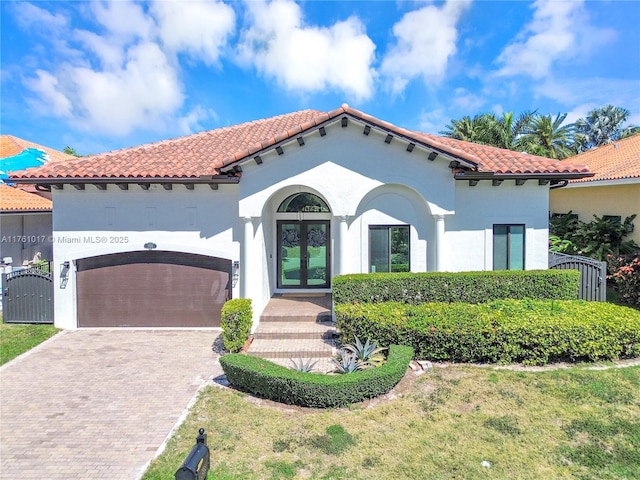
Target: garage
x,y
152,289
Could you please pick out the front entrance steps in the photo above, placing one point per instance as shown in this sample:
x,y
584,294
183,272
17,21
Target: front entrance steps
x,y
294,327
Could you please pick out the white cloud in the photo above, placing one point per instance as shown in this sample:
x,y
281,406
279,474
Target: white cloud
x,y
426,40
31,16
466,101
198,28
53,100
559,31
433,121
120,79
124,21
142,93
192,121
306,58
599,91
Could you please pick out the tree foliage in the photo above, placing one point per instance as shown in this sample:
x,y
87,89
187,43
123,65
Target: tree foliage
x,y
543,135
601,126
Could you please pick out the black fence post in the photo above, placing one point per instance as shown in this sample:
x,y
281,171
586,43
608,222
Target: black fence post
x,y
196,465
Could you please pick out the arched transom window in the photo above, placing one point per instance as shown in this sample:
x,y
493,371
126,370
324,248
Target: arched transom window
x,y
303,202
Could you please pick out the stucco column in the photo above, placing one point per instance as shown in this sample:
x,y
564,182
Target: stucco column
x,y
342,245
439,241
245,260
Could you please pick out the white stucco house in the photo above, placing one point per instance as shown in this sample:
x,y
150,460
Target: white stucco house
x,y
162,234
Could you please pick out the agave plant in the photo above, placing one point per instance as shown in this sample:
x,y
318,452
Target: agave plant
x,y
368,354
346,362
303,365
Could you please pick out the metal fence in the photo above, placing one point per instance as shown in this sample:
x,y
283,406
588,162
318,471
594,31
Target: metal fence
x,y
593,274
27,296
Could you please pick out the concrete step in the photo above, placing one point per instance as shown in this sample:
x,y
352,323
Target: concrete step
x,y
319,317
287,348
295,330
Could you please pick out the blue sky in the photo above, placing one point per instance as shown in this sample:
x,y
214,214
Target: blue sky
x,y
102,75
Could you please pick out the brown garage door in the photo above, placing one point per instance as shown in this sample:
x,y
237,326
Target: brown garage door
x,y
152,289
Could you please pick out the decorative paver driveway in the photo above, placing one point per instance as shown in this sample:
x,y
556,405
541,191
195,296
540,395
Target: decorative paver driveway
x,y
98,403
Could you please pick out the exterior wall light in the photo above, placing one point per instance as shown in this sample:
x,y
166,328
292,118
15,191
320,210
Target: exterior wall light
x,y
64,273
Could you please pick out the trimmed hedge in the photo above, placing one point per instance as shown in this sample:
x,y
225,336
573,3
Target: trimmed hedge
x,y
236,319
281,384
533,332
467,287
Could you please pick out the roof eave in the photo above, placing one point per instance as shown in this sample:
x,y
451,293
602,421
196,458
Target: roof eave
x,y
471,175
248,155
202,180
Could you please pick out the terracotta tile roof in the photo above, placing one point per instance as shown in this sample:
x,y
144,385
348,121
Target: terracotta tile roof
x,y
11,146
615,161
208,153
14,199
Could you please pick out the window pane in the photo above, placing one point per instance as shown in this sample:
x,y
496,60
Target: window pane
x,y
303,202
400,249
516,247
379,244
500,247
290,255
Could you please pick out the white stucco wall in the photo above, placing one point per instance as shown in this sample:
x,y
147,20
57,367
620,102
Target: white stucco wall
x,y
95,222
469,233
363,180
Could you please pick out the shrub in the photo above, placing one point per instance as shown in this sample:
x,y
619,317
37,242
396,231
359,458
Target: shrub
x,y
266,379
236,321
597,239
625,272
469,287
503,331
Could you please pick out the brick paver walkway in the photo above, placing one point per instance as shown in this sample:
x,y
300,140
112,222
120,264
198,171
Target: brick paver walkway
x,y
98,403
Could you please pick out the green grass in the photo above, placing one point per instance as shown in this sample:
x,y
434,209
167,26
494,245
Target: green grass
x,y
563,424
15,339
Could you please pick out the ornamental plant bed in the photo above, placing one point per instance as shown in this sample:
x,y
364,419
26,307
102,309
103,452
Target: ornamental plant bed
x,y
275,382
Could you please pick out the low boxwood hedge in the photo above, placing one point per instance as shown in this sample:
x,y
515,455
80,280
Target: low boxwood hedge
x,y
266,379
505,331
467,287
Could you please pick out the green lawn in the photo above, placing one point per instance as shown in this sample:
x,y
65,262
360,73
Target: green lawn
x,y
15,339
563,424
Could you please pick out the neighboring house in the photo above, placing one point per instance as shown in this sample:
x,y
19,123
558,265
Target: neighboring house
x,y
613,191
163,234
25,213
25,226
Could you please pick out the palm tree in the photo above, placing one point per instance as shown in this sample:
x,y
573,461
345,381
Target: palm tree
x,y
506,132
467,128
547,137
489,129
601,126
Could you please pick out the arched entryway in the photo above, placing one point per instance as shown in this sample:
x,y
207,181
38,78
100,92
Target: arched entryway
x,y
303,242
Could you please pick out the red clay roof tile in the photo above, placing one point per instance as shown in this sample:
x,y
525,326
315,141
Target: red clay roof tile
x,y
615,161
208,153
14,199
